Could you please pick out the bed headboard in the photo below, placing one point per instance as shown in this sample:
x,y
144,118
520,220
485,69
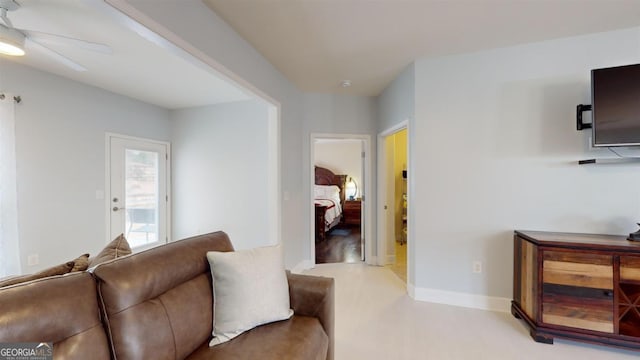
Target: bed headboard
x,y
327,177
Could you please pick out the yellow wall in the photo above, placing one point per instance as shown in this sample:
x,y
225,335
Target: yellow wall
x,y
399,164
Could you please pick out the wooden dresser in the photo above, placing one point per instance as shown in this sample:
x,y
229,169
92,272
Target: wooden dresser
x,y
577,286
352,210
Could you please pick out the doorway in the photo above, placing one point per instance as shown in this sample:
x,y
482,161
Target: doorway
x,y
138,190
394,195
339,186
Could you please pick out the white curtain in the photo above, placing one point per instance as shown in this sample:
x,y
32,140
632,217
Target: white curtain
x,y
9,246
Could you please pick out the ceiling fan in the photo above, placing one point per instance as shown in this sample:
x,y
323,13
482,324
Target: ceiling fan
x,y
14,41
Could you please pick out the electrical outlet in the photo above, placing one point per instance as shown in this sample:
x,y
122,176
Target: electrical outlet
x,y
33,259
477,267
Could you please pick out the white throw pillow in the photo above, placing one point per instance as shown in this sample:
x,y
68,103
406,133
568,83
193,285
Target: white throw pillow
x,y
250,288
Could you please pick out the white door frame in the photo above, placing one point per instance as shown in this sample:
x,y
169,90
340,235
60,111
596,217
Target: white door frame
x,y
368,235
107,181
382,195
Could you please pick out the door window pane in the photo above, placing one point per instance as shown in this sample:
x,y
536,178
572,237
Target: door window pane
x,y
141,197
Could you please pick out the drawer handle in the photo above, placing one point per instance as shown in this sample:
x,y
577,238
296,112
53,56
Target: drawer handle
x,y
608,293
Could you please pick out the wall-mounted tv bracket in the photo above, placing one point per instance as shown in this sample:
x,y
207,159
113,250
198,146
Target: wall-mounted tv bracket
x,y
579,110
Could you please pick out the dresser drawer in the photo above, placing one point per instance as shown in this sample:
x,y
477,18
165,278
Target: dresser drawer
x,y
352,211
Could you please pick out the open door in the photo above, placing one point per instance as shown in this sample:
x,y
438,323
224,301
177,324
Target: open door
x,y
393,195
346,155
338,200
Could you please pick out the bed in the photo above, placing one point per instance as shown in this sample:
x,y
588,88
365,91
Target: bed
x,y
328,200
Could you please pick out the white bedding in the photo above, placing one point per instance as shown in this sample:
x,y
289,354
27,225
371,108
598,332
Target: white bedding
x,y
329,196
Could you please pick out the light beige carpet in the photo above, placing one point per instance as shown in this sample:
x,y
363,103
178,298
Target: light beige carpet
x,y
375,319
400,266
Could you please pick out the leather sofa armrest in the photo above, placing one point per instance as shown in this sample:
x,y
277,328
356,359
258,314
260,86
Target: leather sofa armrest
x,y
314,296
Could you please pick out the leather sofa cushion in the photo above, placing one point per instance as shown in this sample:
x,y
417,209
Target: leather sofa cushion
x,y
62,310
158,303
314,296
301,337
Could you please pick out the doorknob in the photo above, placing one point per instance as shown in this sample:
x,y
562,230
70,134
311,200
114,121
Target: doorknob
x,y
115,208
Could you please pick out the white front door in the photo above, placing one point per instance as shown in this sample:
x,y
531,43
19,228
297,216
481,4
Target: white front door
x,y
138,190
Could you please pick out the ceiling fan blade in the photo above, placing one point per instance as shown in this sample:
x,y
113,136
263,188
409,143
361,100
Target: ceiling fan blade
x,y
29,43
54,39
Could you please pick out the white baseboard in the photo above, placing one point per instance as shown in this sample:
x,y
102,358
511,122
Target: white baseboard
x,y
411,290
302,266
460,299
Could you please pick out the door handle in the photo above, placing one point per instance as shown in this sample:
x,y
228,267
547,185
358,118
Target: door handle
x,y
115,208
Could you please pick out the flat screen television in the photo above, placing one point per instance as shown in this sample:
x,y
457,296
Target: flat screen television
x,y
615,99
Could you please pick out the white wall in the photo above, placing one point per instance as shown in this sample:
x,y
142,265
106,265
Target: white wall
x,y
220,157
345,114
397,102
496,150
60,144
342,157
196,24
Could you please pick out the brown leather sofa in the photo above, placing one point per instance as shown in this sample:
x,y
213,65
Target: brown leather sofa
x,y
158,304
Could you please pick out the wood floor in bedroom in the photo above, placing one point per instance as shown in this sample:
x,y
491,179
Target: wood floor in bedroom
x,y
342,245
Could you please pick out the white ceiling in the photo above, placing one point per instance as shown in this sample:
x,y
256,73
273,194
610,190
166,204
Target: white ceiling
x,y
316,44
138,68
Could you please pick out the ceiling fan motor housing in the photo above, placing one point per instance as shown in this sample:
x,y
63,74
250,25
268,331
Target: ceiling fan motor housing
x,y
11,41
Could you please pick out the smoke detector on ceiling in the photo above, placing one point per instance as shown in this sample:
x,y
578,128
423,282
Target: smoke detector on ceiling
x,y
345,83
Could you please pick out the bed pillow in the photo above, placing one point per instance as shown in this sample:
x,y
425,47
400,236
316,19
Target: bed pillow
x,y
326,191
250,288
